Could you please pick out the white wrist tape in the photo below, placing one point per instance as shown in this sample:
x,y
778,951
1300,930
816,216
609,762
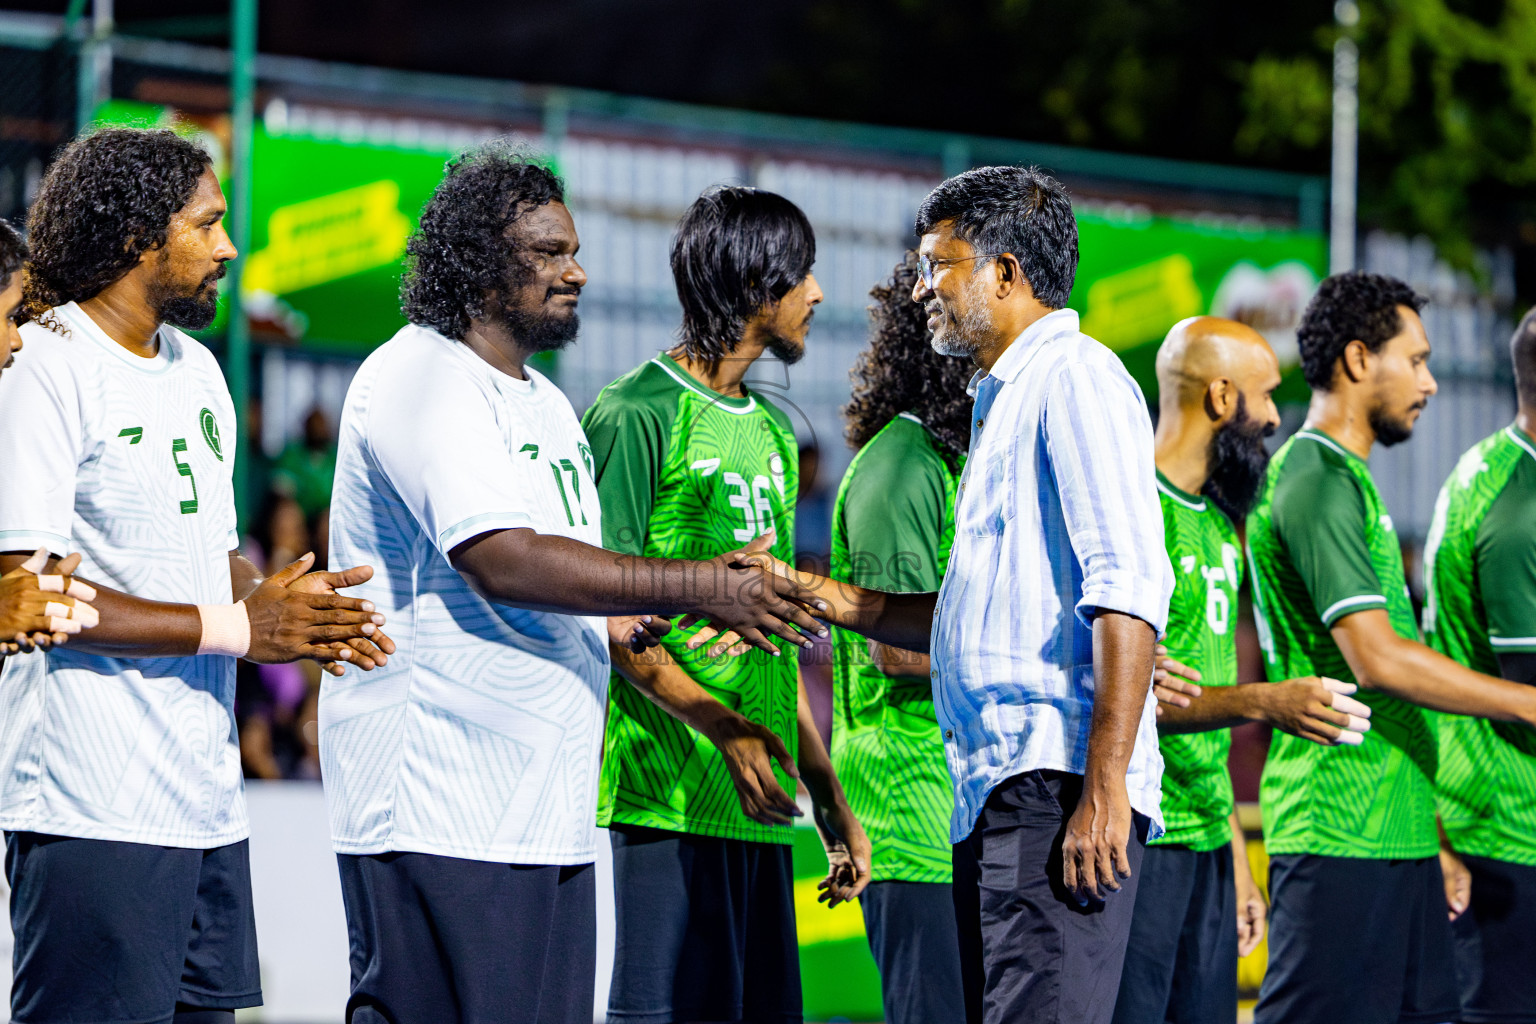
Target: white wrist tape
x,y
226,630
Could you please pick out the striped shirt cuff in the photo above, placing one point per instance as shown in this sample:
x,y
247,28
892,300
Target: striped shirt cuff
x,y
1146,601
1350,605
476,525
30,540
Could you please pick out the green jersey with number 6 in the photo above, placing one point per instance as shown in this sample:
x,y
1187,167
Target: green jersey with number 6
x,y
1207,570
1322,548
685,472
1480,562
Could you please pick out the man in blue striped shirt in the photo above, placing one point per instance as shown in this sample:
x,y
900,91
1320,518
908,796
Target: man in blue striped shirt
x,y
1042,637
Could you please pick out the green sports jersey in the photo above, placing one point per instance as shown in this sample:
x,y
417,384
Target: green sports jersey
x,y
1207,571
1480,562
684,472
1321,546
891,530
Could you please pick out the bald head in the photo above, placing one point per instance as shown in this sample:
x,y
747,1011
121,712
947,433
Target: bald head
x,y
1203,349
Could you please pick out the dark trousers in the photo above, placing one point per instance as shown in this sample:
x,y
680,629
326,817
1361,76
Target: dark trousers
x,y
1028,950
911,929
1496,944
441,940
1181,961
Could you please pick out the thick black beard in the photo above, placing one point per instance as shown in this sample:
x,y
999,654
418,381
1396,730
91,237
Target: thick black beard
x,y
193,312
1238,460
540,332
786,350
1389,431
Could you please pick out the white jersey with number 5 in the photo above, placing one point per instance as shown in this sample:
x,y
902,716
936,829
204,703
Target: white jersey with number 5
x,y
128,461
480,738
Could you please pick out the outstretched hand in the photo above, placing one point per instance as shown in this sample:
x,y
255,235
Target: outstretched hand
x,y
1319,709
848,855
795,605
39,610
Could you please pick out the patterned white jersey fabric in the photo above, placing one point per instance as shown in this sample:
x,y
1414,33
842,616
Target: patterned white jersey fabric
x,y
1057,519
481,737
128,461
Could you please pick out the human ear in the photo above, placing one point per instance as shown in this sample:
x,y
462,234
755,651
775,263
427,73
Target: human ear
x,y
1356,360
1220,398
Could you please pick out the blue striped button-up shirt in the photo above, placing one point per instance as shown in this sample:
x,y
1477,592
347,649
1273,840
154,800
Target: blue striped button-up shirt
x,y
1057,519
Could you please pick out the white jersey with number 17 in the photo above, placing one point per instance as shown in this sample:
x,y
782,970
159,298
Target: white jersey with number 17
x,y
128,461
481,737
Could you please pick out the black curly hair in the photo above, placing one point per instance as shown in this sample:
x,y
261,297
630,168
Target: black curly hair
x,y
736,250
13,252
107,199
1018,210
900,372
463,251
1353,306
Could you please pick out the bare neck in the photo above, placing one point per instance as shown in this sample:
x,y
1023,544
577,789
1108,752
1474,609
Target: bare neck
x,y
496,345
123,313
1010,320
1181,448
1525,420
1344,420
725,375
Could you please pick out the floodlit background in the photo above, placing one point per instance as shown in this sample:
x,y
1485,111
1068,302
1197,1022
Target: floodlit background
x,y
1221,160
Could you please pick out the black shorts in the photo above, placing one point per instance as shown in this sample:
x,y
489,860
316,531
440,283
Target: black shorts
x,y
440,940
911,929
1359,940
1181,960
1028,951
1496,944
705,930
108,931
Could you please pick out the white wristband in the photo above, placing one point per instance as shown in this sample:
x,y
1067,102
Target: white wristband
x,y
226,630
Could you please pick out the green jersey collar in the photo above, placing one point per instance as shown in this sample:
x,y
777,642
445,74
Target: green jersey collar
x,y
1522,439
1189,501
740,406
1313,434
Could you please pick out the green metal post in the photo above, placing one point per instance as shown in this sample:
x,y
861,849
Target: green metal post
x,y
242,90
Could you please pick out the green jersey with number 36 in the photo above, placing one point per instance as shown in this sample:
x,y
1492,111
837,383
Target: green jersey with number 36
x,y
685,472
1207,570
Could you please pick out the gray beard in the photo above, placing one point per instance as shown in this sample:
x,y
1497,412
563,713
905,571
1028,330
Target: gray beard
x,y
963,336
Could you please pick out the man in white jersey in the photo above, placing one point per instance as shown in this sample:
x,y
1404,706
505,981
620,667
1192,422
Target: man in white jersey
x,y
462,776
120,785
30,615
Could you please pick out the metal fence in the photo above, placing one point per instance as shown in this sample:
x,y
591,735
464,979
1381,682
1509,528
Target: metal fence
x,y
633,165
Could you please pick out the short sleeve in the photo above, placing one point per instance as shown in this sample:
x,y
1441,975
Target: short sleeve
x,y
893,518
1319,515
1099,439
629,449
1506,566
447,457
41,438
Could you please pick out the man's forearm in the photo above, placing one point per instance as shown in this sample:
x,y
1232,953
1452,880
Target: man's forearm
x,y
131,627
903,621
664,683
1382,660
812,759
1122,671
1217,707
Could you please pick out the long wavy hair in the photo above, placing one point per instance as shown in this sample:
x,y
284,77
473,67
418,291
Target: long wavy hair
x,y
899,371
106,201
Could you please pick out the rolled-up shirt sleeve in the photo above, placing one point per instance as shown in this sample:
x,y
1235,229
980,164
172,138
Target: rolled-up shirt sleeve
x,y
1098,437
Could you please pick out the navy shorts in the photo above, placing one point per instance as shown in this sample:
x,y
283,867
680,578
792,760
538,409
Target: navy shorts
x,y
440,940
706,930
911,929
1181,960
1496,944
1028,950
124,932
1358,940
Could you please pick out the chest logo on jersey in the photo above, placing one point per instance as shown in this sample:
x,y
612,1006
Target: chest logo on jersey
x,y
133,434
210,425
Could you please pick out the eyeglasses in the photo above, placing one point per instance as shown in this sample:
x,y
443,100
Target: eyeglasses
x,y
926,264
